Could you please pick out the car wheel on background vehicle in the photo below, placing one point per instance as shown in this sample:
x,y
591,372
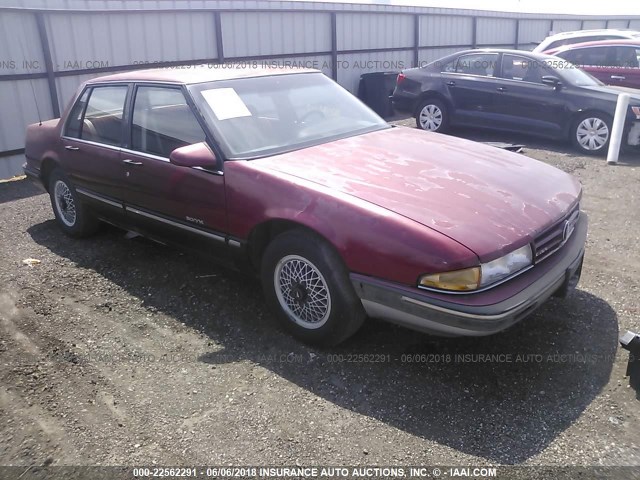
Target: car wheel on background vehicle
x,y
307,286
591,133
73,217
432,115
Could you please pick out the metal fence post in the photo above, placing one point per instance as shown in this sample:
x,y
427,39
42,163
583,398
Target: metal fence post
x,y
334,46
48,63
219,47
474,32
516,44
416,40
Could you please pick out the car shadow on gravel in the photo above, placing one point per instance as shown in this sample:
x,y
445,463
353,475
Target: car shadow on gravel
x,y
18,189
629,157
504,398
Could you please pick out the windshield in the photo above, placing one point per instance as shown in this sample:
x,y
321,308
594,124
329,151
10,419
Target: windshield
x,y
572,75
261,116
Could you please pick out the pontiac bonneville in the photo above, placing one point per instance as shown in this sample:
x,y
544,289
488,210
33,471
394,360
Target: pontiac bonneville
x,y
342,216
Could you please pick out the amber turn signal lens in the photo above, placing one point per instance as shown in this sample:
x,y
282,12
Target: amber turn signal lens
x,y
458,280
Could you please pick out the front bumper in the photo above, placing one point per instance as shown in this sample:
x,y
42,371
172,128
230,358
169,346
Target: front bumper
x,y
478,314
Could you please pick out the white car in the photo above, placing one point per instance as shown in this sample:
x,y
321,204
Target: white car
x,y
580,36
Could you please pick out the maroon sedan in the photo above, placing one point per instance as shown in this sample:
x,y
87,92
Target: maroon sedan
x,y
613,62
341,215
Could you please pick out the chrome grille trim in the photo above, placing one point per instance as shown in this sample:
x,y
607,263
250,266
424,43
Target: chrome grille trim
x,y
554,238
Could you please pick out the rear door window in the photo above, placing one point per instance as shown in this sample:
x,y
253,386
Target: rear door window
x,y
591,57
482,64
626,57
102,122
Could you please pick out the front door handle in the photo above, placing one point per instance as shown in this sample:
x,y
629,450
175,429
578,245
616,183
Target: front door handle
x,y
132,162
71,147
618,77
501,89
451,83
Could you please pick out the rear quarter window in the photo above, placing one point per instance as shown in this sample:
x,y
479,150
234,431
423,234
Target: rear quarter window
x,y
74,121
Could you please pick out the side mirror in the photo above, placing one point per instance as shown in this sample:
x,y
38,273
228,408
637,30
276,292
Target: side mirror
x,y
552,81
196,155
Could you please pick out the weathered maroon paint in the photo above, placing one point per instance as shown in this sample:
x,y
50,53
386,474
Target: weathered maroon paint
x,y
478,195
396,204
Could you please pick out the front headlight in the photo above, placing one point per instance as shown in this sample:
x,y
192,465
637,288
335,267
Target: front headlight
x,y
506,266
486,274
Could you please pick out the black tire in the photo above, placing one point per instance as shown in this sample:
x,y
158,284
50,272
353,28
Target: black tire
x,y
334,319
439,110
590,117
64,200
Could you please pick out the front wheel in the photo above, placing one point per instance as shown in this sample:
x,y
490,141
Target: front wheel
x,y
73,217
591,133
307,286
432,115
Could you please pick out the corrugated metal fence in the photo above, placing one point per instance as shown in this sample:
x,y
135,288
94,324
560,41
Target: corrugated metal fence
x,y
48,47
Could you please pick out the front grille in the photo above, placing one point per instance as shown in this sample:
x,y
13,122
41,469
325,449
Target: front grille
x,y
553,238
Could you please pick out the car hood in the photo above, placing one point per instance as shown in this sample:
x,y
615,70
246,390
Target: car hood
x,y
487,199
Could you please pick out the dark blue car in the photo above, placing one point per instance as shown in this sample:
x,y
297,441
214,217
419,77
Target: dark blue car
x,y
515,91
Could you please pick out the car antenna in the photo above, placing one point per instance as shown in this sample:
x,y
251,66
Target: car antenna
x,y
35,100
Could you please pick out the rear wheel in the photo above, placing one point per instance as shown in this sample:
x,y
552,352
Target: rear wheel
x,y
432,115
307,286
73,217
591,133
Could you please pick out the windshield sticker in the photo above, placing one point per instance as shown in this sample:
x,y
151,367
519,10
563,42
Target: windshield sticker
x,y
225,103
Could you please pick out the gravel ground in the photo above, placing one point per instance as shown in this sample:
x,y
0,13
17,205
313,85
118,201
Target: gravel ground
x,y
121,352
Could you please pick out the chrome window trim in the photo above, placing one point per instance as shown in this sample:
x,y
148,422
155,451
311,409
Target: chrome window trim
x,y
471,75
89,142
523,81
100,198
145,155
158,218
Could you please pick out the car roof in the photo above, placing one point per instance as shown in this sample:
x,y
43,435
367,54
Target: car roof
x,y
598,43
599,31
537,55
191,74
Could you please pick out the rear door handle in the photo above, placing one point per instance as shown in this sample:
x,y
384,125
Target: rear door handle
x,y
501,89
618,77
451,83
71,147
132,162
